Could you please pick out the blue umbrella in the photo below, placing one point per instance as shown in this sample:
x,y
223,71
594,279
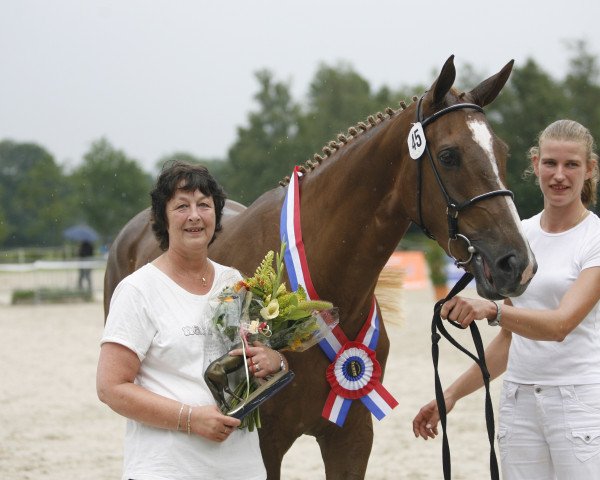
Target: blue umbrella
x,y
81,233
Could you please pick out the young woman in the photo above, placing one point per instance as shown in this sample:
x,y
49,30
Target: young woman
x,y
549,341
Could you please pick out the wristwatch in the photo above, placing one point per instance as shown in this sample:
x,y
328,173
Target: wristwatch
x,y
496,321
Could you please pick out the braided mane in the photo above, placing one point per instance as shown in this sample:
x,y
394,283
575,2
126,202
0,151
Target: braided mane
x,y
353,132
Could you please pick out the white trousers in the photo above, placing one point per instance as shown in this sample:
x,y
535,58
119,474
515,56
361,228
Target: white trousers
x,y
549,433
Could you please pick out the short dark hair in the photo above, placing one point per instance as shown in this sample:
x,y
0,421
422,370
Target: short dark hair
x,y
195,177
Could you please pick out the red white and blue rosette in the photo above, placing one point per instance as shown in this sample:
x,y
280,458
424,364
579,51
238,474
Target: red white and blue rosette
x,y
354,372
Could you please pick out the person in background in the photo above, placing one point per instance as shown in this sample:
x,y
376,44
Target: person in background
x,y
158,342
549,338
86,250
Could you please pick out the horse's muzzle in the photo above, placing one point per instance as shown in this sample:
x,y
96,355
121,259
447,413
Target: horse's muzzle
x,y
507,276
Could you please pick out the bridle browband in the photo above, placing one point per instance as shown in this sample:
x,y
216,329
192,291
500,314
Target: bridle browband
x,y
452,206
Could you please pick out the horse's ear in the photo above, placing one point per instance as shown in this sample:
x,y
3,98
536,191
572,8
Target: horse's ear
x,y
485,93
443,83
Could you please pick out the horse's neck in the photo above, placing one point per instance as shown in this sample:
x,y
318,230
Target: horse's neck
x,y
353,217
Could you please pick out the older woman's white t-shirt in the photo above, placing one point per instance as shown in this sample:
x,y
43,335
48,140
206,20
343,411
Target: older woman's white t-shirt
x,y
561,257
170,330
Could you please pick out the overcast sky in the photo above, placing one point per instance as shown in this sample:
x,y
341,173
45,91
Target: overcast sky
x,y
159,76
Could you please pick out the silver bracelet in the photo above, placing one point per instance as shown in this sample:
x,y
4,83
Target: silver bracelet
x,y
496,321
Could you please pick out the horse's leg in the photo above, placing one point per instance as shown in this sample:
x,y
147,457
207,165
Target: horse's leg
x,y
346,450
275,441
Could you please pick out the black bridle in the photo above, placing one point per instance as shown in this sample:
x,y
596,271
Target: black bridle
x,y
453,208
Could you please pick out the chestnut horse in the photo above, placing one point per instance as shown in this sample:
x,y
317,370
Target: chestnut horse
x,y
356,204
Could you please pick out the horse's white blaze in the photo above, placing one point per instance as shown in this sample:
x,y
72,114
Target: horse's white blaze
x,y
483,137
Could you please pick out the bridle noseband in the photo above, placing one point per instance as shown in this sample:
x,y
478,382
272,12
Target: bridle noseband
x,y
452,206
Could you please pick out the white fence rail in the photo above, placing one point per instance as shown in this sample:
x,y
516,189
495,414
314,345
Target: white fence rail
x,y
49,274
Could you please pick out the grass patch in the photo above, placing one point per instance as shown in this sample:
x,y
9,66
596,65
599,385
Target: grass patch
x,y
50,295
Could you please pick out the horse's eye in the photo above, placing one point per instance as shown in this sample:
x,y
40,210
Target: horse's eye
x,y
448,157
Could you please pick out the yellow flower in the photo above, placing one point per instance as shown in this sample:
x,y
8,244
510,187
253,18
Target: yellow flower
x,y
270,311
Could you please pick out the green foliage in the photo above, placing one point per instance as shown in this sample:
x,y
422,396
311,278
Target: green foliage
x,y
32,184
50,295
4,227
110,188
338,98
23,297
265,150
436,261
281,134
582,88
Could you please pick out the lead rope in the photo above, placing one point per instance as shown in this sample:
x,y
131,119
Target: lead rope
x,y
437,324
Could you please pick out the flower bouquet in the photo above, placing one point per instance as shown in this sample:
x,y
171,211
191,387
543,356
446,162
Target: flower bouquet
x,y
261,308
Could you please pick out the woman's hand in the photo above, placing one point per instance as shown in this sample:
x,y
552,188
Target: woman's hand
x,y
262,360
464,310
208,422
426,421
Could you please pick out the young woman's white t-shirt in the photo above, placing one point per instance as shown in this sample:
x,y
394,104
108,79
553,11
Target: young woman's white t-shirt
x,y
170,330
561,257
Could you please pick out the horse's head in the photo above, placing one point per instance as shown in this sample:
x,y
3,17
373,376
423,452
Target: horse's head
x,y
462,199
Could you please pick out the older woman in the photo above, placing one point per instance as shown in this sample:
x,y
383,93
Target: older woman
x,y
158,342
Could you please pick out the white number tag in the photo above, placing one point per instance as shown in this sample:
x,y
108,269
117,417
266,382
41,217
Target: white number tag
x,y
416,141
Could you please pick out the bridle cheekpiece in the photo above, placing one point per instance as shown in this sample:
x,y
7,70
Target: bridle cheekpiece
x,y
417,146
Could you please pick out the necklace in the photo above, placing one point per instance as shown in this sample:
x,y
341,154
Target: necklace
x,y
557,228
203,275
203,281
581,217
194,276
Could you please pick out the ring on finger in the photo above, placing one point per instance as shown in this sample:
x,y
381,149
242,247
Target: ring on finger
x,y
257,367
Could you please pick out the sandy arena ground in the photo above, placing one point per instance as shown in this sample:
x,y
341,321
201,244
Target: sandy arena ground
x,y
53,426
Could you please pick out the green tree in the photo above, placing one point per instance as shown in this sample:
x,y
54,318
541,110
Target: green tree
x,y
265,150
34,196
4,228
338,98
582,88
282,134
110,188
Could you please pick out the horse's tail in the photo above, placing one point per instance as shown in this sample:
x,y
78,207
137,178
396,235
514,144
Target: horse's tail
x,y
389,294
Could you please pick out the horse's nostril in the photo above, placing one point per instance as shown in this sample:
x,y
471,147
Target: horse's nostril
x,y
508,263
